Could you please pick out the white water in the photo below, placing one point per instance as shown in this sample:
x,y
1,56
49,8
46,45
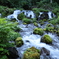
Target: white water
x,y
31,39
29,13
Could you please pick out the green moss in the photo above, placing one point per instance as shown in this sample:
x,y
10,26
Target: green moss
x,y
38,31
26,20
19,42
31,53
36,24
21,16
34,20
49,29
46,39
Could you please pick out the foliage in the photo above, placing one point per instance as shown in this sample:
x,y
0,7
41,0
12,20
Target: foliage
x,y
54,21
6,11
46,39
36,11
38,31
21,16
6,36
31,53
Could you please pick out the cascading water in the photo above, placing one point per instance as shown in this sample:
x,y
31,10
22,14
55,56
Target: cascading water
x,y
31,39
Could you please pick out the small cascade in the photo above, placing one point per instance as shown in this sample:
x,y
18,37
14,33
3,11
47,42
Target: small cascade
x,y
29,13
14,15
46,15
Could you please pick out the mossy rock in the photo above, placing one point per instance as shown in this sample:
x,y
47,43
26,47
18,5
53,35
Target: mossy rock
x,y
21,16
31,53
38,31
46,39
19,42
36,24
26,20
50,29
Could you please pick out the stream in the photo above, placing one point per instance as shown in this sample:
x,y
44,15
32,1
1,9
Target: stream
x,y
33,40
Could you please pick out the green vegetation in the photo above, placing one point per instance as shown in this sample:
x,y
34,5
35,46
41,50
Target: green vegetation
x,y
36,24
38,31
6,34
21,16
26,20
54,21
31,53
6,11
46,39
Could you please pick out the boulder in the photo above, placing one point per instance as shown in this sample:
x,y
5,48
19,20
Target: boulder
x,y
31,53
19,42
46,39
13,53
38,31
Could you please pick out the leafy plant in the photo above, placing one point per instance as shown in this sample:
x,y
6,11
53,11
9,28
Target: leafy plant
x,y
6,34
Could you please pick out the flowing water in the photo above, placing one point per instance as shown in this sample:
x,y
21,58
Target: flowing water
x,y
33,40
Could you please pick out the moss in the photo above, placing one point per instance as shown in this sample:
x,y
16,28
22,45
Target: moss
x,y
48,25
49,29
21,16
46,39
38,31
36,24
34,20
19,42
31,53
26,20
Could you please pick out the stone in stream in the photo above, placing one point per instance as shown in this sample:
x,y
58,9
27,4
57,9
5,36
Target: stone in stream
x,y
46,39
45,54
19,42
13,53
31,53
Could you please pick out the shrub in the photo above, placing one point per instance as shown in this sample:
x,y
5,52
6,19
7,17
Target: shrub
x,y
31,53
55,21
46,39
6,34
6,11
36,11
38,31
19,42
26,20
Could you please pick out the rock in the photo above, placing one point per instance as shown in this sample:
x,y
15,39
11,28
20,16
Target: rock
x,y
46,39
44,51
13,53
45,54
19,42
38,31
31,53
